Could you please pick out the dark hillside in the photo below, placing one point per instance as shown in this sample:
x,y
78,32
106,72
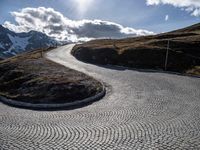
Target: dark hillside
x,y
34,79
147,52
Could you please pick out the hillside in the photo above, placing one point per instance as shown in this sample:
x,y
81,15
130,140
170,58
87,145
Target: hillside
x,y
12,43
32,78
147,52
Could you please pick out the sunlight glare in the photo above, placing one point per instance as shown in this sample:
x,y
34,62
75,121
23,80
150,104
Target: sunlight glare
x,y
83,5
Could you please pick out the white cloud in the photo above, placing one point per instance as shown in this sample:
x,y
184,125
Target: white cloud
x,y
56,25
191,6
166,17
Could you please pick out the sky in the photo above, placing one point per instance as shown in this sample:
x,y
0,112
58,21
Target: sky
x,y
87,19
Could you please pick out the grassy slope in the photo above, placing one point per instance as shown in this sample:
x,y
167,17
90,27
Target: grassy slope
x,y
32,78
147,52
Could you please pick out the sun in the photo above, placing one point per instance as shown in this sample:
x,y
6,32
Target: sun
x,y
83,5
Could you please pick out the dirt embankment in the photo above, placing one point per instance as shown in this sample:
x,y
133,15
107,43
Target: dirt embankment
x,y
147,52
34,79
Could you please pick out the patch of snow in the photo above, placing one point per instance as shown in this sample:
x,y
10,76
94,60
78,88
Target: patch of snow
x,y
10,51
1,46
18,42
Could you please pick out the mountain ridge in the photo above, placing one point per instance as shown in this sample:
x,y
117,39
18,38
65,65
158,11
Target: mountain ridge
x,y
12,43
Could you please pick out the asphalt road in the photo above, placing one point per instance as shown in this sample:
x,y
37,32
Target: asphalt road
x,y
142,110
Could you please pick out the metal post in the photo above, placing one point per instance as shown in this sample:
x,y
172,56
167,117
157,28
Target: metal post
x,y
167,55
114,44
42,52
41,49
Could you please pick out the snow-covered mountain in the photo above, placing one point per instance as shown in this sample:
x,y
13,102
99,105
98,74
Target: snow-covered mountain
x,y
12,43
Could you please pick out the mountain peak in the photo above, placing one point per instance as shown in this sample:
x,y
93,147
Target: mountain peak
x,y
12,43
1,27
34,32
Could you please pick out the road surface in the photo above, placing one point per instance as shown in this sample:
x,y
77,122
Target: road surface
x,y
142,110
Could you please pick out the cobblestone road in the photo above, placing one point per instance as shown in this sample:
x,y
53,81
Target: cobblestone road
x,y
142,110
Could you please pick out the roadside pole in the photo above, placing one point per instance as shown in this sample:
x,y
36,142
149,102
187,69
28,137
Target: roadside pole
x,y
167,55
41,49
42,52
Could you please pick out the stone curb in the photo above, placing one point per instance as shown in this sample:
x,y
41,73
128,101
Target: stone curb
x,y
55,106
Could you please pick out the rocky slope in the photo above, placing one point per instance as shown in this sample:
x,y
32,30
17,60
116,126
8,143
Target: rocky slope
x,y
12,43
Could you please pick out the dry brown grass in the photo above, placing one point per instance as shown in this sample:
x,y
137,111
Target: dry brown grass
x,y
147,51
31,78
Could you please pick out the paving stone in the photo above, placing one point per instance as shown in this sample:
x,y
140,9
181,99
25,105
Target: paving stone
x,y
142,110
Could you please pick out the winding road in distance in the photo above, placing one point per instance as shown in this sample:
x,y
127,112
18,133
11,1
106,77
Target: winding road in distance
x,y
141,110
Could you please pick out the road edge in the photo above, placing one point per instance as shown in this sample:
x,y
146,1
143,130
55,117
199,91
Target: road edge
x,y
71,105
